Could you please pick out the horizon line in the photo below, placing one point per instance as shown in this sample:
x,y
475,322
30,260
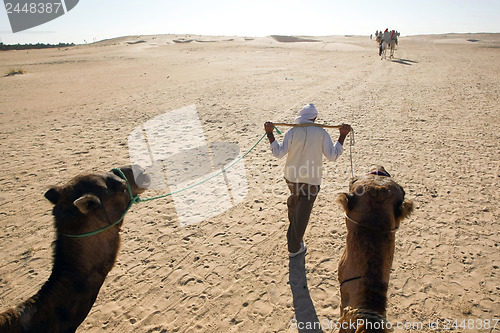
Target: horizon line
x,y
251,36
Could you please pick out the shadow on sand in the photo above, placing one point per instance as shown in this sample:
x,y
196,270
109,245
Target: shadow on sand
x,y
305,314
404,61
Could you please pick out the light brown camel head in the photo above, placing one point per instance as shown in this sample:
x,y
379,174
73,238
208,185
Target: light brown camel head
x,y
374,209
87,203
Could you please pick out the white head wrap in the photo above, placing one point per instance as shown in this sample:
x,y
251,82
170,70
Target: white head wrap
x,y
307,114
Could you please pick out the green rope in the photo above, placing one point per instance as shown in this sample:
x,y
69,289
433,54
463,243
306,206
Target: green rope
x,y
277,130
134,199
206,179
95,232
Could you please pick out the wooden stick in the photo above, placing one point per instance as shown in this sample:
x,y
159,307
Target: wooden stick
x,y
305,125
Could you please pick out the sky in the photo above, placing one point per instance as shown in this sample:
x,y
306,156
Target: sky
x,y
94,20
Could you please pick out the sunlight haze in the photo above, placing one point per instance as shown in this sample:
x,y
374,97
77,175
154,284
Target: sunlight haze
x,y
93,20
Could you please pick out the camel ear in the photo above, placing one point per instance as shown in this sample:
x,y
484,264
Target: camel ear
x,y
87,202
353,180
52,195
406,209
343,201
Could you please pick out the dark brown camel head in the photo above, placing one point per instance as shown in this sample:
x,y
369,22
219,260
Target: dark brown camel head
x,y
86,204
89,202
374,209
92,201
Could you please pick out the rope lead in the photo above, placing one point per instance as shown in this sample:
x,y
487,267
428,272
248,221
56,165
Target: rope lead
x,y
135,199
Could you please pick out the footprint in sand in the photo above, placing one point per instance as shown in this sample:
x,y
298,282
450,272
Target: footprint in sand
x,y
191,285
272,292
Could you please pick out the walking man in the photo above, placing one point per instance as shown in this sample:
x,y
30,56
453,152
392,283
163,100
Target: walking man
x,y
303,169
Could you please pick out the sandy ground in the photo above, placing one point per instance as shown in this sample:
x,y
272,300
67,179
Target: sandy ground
x,y
431,116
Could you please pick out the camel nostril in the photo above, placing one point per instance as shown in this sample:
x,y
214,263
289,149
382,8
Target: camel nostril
x,y
143,180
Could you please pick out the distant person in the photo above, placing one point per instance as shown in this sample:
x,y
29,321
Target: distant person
x,y
378,36
395,34
386,36
305,147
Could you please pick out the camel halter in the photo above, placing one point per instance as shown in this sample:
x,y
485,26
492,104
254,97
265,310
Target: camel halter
x,y
351,279
366,227
376,173
369,228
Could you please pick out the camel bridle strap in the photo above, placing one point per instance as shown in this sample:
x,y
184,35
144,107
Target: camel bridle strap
x,y
369,228
380,173
351,279
366,227
133,199
98,231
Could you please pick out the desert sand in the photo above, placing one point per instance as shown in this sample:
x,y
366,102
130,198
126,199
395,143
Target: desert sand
x,y
430,116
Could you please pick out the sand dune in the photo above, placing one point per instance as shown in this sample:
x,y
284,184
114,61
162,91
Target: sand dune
x,y
430,116
292,39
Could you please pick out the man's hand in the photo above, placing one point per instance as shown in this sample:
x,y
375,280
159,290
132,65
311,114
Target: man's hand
x,y
269,127
345,129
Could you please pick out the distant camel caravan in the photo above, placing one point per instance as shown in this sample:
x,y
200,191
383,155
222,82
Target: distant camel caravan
x,y
387,40
88,213
374,208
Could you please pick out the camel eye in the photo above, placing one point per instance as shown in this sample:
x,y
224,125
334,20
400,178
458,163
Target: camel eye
x,y
351,202
398,209
115,185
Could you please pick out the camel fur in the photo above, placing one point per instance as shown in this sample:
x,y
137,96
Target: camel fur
x,y
80,265
374,208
